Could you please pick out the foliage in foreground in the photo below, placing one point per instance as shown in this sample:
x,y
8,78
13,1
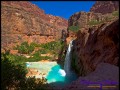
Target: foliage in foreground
x,y
14,76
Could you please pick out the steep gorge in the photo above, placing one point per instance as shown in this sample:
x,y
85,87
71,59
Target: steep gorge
x,y
96,41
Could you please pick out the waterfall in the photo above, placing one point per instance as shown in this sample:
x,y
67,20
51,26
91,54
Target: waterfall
x,y
59,75
67,64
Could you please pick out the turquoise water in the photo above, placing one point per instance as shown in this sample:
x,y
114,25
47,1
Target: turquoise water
x,y
59,77
43,67
54,73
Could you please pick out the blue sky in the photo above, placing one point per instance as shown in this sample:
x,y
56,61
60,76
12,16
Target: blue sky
x,y
64,9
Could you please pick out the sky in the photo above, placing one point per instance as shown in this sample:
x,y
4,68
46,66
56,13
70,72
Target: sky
x,y
63,9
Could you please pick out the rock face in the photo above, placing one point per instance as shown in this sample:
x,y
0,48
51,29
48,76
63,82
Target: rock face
x,y
93,46
104,75
95,52
22,21
86,20
97,38
105,7
82,18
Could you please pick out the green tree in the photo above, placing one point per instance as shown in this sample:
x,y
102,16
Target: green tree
x,y
11,74
25,48
74,28
14,76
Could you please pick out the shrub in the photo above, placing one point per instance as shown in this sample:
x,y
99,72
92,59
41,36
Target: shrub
x,y
31,48
36,57
93,22
17,59
43,51
74,28
25,48
35,44
108,18
115,13
45,57
51,45
22,59
11,73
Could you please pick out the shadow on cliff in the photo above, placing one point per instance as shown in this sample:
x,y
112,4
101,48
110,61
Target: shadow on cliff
x,y
62,52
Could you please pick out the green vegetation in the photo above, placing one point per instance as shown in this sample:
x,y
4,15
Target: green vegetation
x,y
108,18
25,48
17,59
22,59
14,76
115,13
94,22
74,28
52,47
35,44
43,51
14,67
79,70
37,57
111,17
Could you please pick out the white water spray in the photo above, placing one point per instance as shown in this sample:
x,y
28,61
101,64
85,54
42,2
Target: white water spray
x,y
67,64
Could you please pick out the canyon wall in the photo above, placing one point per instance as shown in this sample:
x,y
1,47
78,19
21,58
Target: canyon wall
x,y
95,52
92,48
23,21
105,7
97,39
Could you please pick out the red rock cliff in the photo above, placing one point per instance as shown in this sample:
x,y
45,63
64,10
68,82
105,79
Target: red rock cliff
x,y
92,48
105,7
97,38
23,21
95,52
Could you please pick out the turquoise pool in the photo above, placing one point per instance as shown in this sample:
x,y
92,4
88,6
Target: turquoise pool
x,y
53,72
56,74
